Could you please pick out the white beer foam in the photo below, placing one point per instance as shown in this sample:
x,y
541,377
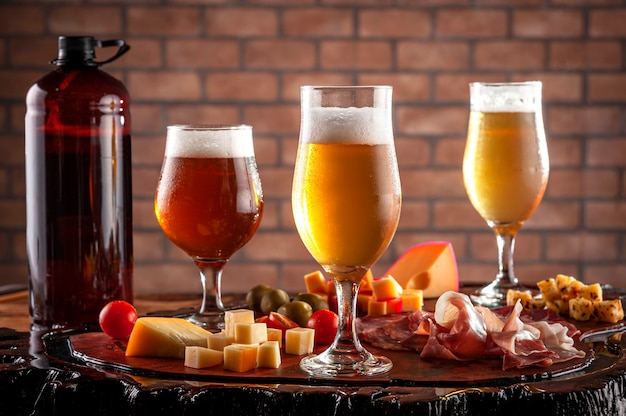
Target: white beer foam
x,y
204,142
365,125
505,97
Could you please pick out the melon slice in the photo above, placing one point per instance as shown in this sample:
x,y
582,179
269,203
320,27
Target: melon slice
x,y
429,266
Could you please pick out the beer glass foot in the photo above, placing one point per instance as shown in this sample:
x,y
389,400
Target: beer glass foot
x,y
332,364
211,321
494,294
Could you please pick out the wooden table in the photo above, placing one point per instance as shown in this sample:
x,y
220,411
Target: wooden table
x,y
34,382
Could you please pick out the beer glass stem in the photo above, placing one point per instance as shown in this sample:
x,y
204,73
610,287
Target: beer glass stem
x,y
346,339
505,239
211,313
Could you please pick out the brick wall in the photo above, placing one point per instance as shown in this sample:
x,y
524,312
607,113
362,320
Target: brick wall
x,y
243,61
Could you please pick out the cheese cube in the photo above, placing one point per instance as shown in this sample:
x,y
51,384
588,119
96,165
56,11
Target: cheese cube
x,y
164,337
562,283
512,296
250,333
365,285
386,288
219,340
200,357
592,292
275,334
268,355
240,358
581,309
362,301
429,266
549,290
377,307
412,300
299,341
236,316
316,283
609,310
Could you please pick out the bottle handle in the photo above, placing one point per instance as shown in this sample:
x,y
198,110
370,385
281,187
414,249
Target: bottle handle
x,y
123,48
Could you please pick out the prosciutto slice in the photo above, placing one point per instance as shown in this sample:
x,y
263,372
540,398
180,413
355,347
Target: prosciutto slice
x,y
457,330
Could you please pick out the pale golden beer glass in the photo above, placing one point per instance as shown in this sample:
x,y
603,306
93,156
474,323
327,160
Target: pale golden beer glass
x,y
209,202
346,203
505,169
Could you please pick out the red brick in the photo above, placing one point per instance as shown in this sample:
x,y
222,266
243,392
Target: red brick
x,y
266,150
513,54
166,278
13,213
555,215
203,114
432,55
143,212
605,215
407,87
421,183
431,120
280,54
147,118
606,152
585,120
149,150
565,152
396,23
145,180
472,23
276,181
241,21
411,151
607,87
582,246
33,52
561,87
144,53
166,86
457,214
202,53
147,246
15,84
277,246
586,54
455,87
559,23
274,118
240,86
318,22
611,274
78,20
607,23
414,214
22,20
17,181
573,183
163,21
355,54
271,215
449,151
11,149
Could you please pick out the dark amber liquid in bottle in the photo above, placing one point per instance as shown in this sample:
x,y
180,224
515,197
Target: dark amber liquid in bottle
x,y
79,208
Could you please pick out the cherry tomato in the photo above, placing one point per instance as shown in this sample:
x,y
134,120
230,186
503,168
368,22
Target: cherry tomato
x,y
117,319
277,321
325,323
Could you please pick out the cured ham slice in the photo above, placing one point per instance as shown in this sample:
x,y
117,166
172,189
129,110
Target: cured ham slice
x,y
457,330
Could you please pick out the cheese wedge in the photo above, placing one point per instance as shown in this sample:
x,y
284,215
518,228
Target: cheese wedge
x,y
200,357
429,266
164,337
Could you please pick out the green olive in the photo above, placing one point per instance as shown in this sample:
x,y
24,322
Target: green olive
x,y
254,296
272,300
298,311
316,301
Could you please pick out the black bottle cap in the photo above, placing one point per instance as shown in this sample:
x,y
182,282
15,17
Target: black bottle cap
x,y
81,50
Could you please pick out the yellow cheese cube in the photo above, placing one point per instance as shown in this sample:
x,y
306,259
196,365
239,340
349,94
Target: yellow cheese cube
x,y
512,296
365,286
592,292
250,333
563,282
362,301
240,358
386,288
268,355
236,316
200,357
549,290
316,283
412,300
275,334
299,341
164,337
609,310
581,309
377,308
219,340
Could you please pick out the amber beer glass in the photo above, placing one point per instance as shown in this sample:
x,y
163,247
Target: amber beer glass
x,y
209,202
505,168
346,203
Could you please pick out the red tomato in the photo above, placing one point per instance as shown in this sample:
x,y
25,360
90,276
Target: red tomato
x,y
325,323
277,321
118,318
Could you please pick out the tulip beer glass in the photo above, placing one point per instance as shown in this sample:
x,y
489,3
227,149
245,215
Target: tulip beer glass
x,y
346,203
505,169
209,202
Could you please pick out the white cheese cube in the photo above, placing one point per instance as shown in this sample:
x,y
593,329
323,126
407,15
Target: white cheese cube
x,y
219,340
299,341
250,333
200,357
236,316
240,358
268,355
